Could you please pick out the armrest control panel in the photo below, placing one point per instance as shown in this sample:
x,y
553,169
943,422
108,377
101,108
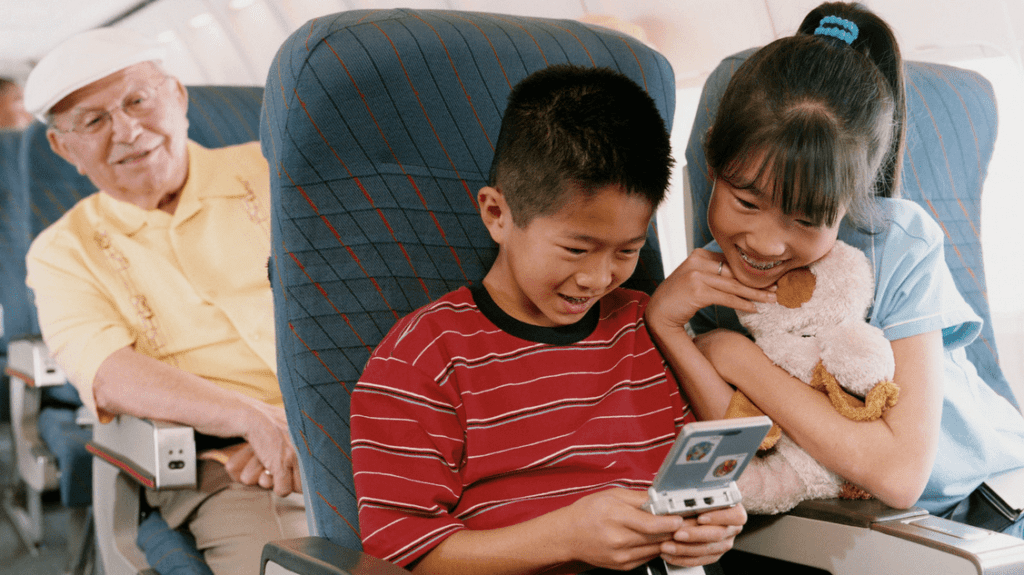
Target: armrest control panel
x,y
159,455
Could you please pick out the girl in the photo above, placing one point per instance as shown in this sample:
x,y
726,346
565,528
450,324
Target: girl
x,y
806,148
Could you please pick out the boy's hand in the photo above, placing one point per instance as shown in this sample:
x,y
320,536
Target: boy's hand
x,y
611,530
703,279
704,538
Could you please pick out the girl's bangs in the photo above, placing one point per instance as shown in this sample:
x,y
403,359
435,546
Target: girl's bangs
x,y
803,177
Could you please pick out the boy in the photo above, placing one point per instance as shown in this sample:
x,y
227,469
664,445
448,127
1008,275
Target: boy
x,y
513,426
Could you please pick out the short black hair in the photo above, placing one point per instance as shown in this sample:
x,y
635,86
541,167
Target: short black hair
x,y
571,129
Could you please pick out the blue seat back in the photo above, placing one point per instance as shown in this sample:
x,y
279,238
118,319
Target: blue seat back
x,y
13,239
13,243
379,127
951,132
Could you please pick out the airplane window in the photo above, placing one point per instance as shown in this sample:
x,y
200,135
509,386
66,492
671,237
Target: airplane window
x,y
258,29
299,12
1002,204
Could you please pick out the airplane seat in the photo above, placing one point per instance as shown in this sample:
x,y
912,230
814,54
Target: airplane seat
x,y
29,402
951,129
12,246
13,299
218,116
19,501
379,127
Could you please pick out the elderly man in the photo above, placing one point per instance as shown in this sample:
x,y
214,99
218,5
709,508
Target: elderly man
x,y
153,293
13,115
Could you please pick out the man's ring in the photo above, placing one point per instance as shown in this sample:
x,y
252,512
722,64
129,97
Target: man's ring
x,y
720,264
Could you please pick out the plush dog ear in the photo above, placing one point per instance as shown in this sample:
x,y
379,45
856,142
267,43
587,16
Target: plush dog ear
x,y
741,406
795,288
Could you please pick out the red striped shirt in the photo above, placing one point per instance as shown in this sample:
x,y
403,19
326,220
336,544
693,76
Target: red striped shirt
x,y
457,423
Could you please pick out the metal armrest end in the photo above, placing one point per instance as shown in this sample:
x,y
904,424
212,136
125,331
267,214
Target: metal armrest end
x,y
157,454
318,556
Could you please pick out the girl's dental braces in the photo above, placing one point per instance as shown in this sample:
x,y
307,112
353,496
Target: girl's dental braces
x,y
757,266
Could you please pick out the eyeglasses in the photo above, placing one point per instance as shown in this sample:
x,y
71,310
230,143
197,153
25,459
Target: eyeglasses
x,y
139,103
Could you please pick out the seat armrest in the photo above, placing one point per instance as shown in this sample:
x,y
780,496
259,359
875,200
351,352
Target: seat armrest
x,y
855,512
868,537
157,454
28,359
36,465
318,556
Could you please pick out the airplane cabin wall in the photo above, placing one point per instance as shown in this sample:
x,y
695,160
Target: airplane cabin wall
x,y
234,41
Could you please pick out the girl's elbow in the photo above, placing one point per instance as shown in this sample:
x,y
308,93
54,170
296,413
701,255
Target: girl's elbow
x,y
899,499
899,491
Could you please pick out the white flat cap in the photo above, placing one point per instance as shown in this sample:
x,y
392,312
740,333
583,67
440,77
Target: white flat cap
x,y
83,59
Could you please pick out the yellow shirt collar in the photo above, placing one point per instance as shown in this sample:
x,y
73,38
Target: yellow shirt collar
x,y
201,183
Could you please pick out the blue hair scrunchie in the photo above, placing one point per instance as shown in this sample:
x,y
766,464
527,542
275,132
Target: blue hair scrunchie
x,y
840,28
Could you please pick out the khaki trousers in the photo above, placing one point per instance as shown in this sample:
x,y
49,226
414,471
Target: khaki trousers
x,y
231,522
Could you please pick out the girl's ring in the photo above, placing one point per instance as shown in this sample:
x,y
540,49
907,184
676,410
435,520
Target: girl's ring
x,y
720,264
267,472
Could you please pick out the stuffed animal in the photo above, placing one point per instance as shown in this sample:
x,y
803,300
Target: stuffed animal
x,y
817,332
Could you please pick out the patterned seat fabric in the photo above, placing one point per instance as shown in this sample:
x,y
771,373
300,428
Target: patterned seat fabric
x,y
13,238
379,127
951,132
13,244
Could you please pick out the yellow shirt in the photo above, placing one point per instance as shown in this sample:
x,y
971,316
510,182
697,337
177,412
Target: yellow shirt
x,y
190,289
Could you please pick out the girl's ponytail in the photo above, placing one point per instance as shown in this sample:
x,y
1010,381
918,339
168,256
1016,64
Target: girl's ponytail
x,y
876,40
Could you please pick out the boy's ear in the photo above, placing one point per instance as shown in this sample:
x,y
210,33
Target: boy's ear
x,y
494,212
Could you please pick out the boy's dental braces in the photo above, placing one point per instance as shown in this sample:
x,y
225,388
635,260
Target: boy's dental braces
x,y
571,299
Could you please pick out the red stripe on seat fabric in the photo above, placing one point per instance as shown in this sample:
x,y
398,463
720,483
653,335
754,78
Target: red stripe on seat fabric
x,y
327,435
440,143
326,297
465,92
335,509
350,251
528,33
316,353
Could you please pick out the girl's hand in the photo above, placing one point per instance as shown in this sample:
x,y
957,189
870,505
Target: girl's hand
x,y
703,279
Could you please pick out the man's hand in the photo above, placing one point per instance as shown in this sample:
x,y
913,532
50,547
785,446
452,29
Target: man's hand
x,y
139,385
269,458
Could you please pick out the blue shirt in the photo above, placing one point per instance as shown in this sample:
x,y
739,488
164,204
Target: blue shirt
x,y
981,433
